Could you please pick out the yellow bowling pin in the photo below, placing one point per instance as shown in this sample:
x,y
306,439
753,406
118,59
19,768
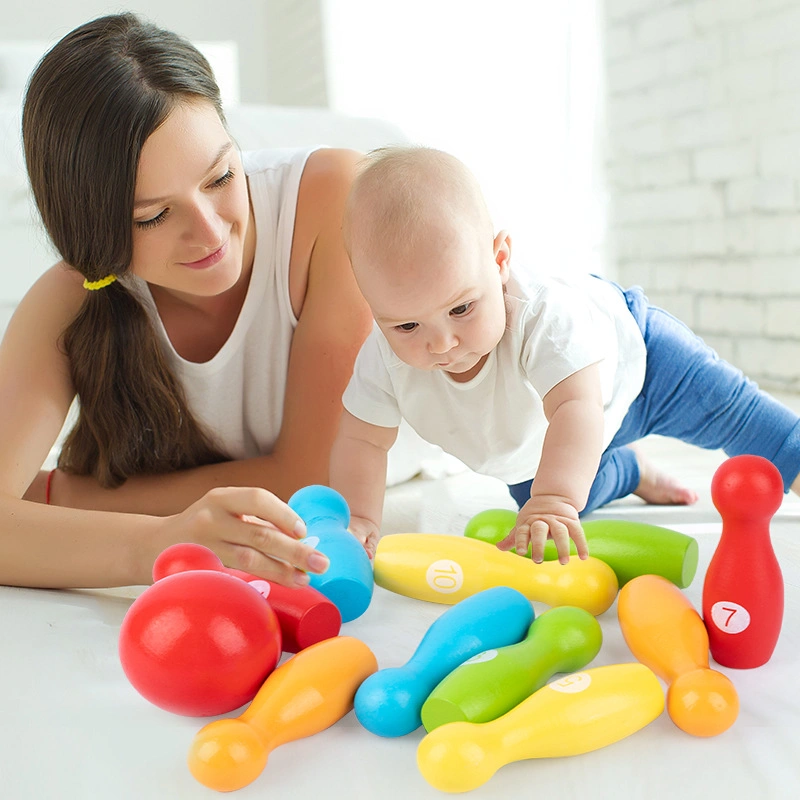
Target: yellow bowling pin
x,y
441,568
576,714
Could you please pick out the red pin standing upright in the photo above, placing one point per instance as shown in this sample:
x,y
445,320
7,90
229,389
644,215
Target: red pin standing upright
x,y
743,589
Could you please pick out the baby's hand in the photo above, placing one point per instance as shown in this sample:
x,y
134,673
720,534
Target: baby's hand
x,y
543,517
367,533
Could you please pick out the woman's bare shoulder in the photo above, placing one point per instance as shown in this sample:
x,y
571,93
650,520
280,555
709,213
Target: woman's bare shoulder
x,y
326,181
54,299
332,164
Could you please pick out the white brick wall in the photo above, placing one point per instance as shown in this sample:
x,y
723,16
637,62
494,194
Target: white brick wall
x,y
703,166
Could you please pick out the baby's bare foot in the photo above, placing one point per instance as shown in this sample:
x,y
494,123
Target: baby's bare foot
x,y
657,488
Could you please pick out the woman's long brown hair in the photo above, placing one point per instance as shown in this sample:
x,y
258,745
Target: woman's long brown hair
x,y
91,104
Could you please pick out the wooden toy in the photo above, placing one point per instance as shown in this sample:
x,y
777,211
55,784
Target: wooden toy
x,y
441,568
305,695
629,548
305,615
575,714
199,643
665,633
743,588
562,639
348,581
389,702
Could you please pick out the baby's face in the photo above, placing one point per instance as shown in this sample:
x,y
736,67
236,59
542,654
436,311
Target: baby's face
x,y
440,308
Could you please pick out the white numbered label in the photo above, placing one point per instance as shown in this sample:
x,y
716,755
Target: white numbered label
x,y
572,684
262,587
486,655
445,576
730,617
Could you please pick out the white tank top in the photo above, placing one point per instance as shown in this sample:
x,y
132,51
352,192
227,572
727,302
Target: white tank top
x,y
238,395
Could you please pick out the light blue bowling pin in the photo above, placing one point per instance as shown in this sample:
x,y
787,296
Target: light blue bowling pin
x,y
348,581
389,702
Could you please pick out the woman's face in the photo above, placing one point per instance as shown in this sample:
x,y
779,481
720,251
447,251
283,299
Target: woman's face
x,y
191,206
441,305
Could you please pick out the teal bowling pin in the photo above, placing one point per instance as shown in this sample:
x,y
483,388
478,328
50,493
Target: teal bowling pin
x,y
629,548
563,639
389,702
348,582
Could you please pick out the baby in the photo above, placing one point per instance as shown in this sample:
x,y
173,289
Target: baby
x,y
552,380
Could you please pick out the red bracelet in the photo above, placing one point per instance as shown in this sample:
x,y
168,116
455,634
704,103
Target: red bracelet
x,y
48,485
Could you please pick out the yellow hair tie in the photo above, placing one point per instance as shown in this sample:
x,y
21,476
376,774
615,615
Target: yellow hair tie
x,y
93,286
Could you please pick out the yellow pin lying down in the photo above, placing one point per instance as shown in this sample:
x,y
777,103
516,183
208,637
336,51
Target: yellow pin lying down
x,y
578,713
441,568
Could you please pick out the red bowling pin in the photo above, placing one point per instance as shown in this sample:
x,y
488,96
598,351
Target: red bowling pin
x,y
743,589
305,615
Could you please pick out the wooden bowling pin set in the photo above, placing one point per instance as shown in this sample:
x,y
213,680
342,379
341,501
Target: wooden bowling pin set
x,y
205,640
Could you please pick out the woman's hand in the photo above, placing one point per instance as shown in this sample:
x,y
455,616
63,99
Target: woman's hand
x,y
250,529
546,517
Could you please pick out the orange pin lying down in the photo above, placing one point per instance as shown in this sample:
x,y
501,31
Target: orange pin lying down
x,y
665,633
305,695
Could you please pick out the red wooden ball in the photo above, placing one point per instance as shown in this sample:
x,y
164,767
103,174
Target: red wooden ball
x,y
199,643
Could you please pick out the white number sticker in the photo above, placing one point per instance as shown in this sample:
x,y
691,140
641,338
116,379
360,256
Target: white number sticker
x,y
486,655
730,617
262,587
445,576
572,684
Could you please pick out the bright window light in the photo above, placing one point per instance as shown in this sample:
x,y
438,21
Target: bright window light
x,y
511,88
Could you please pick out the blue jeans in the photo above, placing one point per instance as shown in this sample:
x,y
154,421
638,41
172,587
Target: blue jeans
x,y
690,394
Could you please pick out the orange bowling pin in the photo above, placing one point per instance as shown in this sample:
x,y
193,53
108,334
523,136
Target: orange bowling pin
x,y
665,633
441,568
305,695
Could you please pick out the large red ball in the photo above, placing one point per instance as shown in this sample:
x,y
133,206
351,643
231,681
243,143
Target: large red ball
x,y
199,643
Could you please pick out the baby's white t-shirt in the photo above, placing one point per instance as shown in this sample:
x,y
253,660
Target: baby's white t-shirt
x,y
495,423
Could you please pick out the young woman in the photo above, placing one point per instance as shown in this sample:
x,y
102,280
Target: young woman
x,y
204,314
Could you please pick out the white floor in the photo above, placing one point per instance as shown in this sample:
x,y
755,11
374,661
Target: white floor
x,y
72,727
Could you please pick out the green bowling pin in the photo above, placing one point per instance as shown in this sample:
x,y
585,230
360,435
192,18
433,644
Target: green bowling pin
x,y
563,639
629,548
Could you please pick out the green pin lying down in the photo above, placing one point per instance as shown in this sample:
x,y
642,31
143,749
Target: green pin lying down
x,y
563,639
629,548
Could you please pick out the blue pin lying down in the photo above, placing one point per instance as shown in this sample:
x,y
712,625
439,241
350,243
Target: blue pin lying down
x,y
389,702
